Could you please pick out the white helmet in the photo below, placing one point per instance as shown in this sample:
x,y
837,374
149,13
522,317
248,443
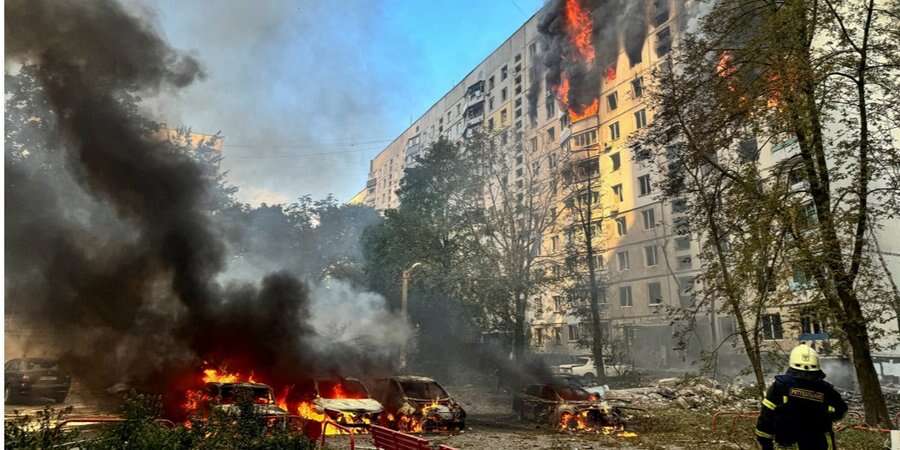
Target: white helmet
x,y
804,358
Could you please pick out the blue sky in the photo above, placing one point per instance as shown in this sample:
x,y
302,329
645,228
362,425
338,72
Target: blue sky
x,y
306,92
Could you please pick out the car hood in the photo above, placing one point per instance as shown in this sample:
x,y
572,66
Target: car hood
x,y
350,404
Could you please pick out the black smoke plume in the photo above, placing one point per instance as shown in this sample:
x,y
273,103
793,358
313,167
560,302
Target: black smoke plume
x,y
123,277
617,25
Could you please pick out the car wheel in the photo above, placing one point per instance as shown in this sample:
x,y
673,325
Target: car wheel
x,y
589,378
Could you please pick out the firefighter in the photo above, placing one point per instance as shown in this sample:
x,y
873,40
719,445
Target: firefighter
x,y
800,406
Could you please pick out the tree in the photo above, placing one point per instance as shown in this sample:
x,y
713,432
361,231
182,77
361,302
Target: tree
x,y
583,212
515,209
818,80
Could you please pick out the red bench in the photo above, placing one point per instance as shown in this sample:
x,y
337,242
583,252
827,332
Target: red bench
x,y
388,439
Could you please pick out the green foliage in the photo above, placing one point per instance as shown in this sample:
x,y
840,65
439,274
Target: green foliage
x,y
142,429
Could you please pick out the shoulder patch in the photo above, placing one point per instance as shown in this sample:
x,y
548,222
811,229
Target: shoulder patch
x,y
807,394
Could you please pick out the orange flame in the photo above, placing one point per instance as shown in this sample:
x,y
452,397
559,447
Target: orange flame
x,y
562,92
579,422
580,30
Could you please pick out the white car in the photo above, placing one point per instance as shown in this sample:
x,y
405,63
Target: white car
x,y
585,368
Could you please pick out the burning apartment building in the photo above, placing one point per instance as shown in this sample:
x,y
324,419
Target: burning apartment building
x,y
564,93
553,108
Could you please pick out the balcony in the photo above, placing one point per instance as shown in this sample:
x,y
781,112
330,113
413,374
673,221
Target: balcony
x,y
372,182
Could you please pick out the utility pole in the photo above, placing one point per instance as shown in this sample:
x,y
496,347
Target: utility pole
x,y
405,276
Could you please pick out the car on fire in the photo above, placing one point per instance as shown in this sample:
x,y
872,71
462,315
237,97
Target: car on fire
x,y
567,407
226,397
345,401
34,379
418,404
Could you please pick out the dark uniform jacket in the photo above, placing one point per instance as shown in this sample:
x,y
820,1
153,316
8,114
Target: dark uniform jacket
x,y
798,411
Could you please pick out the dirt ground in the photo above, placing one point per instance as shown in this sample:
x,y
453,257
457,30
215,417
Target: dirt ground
x,y
493,426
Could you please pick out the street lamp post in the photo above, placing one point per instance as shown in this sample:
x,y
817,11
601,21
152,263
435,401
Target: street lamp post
x,y
405,276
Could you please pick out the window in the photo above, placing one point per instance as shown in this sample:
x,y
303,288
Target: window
x,y
504,72
612,101
554,243
650,255
614,131
644,183
573,332
654,291
552,161
621,226
533,144
556,272
491,83
618,192
649,218
679,205
598,262
535,168
622,260
800,280
551,107
686,291
503,94
539,336
685,262
518,113
637,87
625,296
810,322
557,335
640,119
557,303
616,160
683,243
663,42
518,58
491,103
532,49
551,134
585,139
503,117
491,123
771,326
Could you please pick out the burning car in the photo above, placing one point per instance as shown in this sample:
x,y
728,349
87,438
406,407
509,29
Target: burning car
x,y
35,378
346,401
417,404
567,407
226,397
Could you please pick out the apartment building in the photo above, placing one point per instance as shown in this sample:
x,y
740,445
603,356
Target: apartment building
x,y
646,266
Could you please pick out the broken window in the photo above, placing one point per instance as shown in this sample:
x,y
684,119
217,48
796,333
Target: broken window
x,y
621,226
491,83
612,101
640,119
616,160
551,135
614,131
654,291
771,327
644,184
650,255
649,217
551,107
637,87
618,192
625,296
622,260
504,72
663,42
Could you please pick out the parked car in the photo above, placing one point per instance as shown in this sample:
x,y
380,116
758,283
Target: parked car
x,y
566,406
584,367
35,379
417,404
226,397
344,400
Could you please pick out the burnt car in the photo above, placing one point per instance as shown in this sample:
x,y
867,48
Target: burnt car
x,y
567,407
226,397
418,404
35,379
343,400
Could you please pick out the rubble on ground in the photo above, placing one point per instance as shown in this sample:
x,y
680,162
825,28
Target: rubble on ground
x,y
689,393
